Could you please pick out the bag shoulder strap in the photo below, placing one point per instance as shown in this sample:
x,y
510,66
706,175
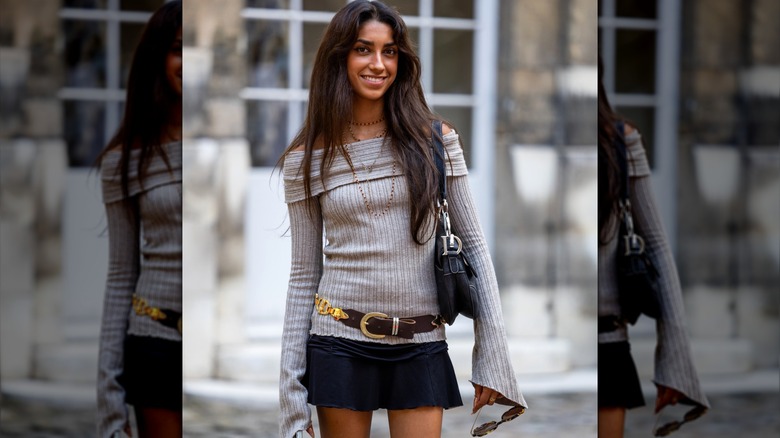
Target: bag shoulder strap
x,y
438,158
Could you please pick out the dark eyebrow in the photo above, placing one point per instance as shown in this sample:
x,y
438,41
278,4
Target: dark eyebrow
x,y
371,43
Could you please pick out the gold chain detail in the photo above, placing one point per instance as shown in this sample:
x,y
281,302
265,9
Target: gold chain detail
x,y
363,194
369,169
324,308
381,133
142,308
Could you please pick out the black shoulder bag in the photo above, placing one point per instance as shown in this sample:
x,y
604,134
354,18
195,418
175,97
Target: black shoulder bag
x,y
637,277
455,278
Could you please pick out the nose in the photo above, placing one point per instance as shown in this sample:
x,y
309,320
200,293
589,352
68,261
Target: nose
x,y
376,63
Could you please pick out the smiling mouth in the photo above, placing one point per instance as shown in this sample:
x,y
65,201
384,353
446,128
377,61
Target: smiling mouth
x,y
374,79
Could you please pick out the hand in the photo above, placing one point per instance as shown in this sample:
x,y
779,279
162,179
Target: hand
x,y
667,396
310,429
128,430
484,396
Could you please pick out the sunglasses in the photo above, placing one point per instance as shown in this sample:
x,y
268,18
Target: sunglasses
x,y
493,425
670,427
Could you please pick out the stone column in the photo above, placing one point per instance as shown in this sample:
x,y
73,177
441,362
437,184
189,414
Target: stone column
x,y
546,242
17,259
33,161
216,175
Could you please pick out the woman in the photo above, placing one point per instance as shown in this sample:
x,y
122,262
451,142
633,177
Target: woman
x,y
675,377
140,338
361,172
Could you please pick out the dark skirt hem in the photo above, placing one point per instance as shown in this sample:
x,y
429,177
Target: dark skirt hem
x,y
366,376
619,385
152,375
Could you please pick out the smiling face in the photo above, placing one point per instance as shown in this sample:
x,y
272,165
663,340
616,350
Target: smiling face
x,y
173,64
373,61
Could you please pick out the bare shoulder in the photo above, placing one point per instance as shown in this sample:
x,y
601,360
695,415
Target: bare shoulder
x,y
445,129
629,129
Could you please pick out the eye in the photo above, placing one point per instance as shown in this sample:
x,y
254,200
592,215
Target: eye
x,y
391,51
362,49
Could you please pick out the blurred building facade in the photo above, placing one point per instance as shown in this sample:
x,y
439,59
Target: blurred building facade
x,y
701,81
246,72
517,78
63,70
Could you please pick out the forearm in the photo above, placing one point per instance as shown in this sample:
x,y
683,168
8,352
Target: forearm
x,y
305,273
674,366
491,366
123,269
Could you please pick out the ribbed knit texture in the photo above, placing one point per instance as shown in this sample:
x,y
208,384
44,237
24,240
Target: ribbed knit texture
x,y
372,264
144,258
673,362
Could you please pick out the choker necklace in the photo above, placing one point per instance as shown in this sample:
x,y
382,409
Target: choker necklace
x,y
381,134
367,123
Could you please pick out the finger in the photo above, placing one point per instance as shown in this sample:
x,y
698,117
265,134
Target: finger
x,y
310,429
483,399
478,391
661,403
477,394
492,397
659,399
664,399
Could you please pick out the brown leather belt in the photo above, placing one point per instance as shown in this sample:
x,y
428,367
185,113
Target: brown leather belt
x,y
377,325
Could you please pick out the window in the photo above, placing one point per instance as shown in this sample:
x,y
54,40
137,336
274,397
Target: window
x,y
100,37
640,44
628,43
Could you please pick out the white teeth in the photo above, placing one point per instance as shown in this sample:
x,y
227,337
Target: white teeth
x,y
373,79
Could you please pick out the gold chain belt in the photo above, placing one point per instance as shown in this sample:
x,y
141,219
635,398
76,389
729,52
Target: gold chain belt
x,y
166,317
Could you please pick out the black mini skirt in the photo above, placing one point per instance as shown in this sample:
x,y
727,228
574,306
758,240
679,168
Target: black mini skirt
x,y
152,375
619,384
366,376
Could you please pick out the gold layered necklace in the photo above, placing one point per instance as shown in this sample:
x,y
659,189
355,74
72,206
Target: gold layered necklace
x,y
355,178
381,134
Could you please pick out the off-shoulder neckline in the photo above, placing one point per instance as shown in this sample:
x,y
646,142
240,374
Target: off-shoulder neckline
x,y
452,133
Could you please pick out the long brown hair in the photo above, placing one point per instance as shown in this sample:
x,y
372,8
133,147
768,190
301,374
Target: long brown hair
x,y
609,171
150,99
406,112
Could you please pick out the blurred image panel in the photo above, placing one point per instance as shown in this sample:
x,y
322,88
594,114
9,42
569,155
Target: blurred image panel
x,y
518,80
701,80
64,67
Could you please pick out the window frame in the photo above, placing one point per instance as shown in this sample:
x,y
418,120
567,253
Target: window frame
x,y
113,93
663,100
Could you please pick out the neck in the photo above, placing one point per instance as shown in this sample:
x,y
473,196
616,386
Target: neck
x,y
364,111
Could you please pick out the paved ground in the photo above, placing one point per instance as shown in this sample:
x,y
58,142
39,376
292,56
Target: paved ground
x,y
561,415
733,415
575,420
552,414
